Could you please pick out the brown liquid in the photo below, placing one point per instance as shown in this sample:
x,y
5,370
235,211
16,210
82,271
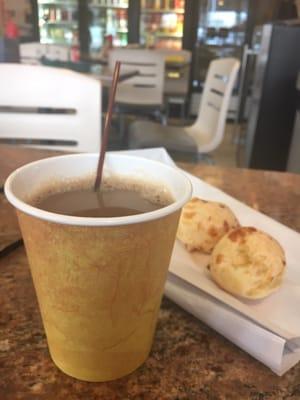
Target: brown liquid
x,y
113,201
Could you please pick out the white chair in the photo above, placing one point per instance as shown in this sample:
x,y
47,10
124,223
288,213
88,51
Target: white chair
x,y
143,93
146,89
31,53
49,108
207,132
57,53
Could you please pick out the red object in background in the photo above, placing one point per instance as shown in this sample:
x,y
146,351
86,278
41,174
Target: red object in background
x,y
11,31
109,41
75,53
75,48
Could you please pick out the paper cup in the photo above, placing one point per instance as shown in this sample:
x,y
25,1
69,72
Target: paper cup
x,y
99,281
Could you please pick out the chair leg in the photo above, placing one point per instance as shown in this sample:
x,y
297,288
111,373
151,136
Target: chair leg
x,y
182,111
164,119
160,116
205,158
167,115
235,133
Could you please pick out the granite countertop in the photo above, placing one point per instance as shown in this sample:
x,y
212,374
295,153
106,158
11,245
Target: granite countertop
x,y
188,360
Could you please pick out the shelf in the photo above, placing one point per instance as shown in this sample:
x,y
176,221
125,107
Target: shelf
x,y
60,23
163,11
58,3
103,25
169,35
108,7
220,46
55,41
102,22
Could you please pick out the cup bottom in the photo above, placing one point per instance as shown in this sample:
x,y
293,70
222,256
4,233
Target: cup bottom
x,y
103,376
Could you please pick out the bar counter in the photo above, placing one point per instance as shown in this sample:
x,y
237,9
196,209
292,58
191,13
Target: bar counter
x,y
188,361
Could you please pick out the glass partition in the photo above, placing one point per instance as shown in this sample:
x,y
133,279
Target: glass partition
x,y
161,24
58,21
108,17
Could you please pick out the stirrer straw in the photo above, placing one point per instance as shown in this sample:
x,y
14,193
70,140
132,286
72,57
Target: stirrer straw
x,y
107,124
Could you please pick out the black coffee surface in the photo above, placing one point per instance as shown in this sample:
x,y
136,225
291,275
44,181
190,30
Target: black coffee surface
x,y
88,203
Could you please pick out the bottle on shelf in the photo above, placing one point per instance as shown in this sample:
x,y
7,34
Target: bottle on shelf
x,y
150,40
171,4
58,14
179,30
163,4
75,49
64,15
107,46
52,16
157,4
46,14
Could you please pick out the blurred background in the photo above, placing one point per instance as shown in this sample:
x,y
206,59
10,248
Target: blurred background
x,y
262,34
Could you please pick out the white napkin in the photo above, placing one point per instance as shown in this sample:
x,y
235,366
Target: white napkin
x,y
269,330
272,350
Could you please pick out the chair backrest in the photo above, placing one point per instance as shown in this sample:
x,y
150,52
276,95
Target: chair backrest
x,y
149,63
50,108
209,128
57,53
31,53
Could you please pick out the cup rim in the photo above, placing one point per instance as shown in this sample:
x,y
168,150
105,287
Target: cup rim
x,y
96,221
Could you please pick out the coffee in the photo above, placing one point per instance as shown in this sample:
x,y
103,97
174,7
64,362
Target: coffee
x,y
99,282
87,203
117,198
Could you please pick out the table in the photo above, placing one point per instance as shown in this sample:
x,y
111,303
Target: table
x,y
172,87
105,75
188,361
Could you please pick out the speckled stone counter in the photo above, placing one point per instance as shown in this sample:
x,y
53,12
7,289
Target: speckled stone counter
x,y
188,360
